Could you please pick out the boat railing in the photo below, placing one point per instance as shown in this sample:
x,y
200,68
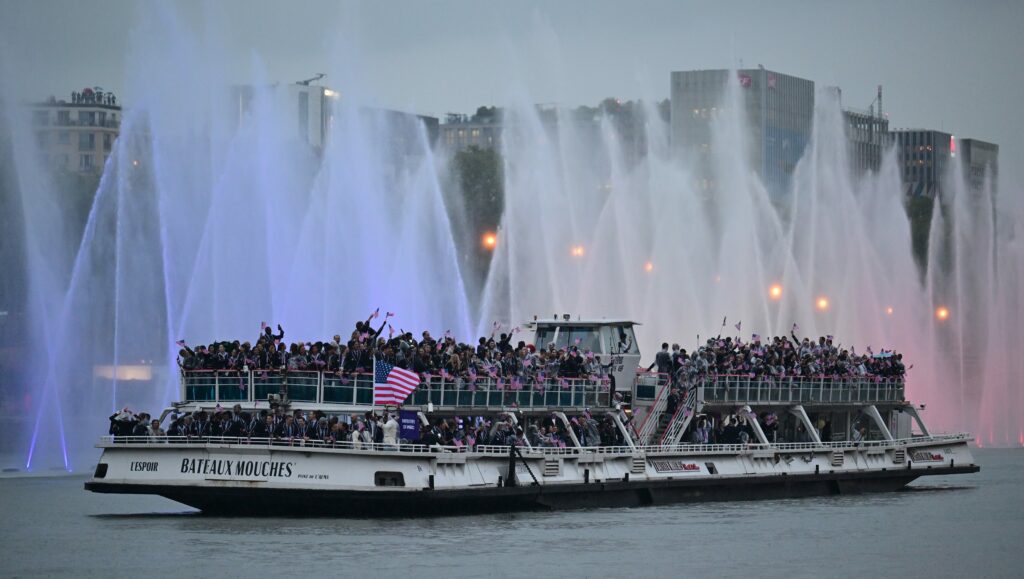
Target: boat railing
x,y
234,386
744,389
415,447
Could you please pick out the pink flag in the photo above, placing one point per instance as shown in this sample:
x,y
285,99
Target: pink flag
x,y
738,324
263,326
796,328
181,343
391,331
388,315
376,313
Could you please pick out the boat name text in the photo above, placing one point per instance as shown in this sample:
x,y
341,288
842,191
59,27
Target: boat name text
x,y
224,467
674,466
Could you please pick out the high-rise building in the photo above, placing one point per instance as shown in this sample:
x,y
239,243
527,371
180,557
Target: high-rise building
x,y
314,109
779,114
77,135
924,156
980,161
310,103
867,139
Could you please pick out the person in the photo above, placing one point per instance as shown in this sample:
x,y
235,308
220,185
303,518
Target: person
x,y
390,429
858,435
287,429
663,360
263,428
122,423
672,403
156,434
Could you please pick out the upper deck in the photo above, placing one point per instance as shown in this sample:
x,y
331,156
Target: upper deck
x,y
306,387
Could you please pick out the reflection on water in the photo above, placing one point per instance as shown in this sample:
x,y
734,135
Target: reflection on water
x,y
963,524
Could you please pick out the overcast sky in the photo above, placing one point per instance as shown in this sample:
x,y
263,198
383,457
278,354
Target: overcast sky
x,y
955,66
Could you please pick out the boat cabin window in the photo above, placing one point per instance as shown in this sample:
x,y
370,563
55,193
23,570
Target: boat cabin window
x,y
620,339
384,478
584,337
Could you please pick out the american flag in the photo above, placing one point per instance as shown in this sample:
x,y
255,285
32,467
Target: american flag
x,y
392,385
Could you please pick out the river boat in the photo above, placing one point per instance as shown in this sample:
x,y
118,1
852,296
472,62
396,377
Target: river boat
x,y
655,465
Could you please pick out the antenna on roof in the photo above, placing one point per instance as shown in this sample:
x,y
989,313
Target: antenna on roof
x,y
306,82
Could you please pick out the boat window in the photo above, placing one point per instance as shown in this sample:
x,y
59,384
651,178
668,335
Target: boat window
x,y
386,478
586,337
620,339
545,334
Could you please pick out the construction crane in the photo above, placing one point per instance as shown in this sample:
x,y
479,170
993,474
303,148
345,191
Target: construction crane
x,y
306,82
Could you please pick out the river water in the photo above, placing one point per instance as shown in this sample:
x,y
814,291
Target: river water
x,y
941,527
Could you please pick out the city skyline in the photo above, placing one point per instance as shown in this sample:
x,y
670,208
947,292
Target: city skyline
x,y
538,53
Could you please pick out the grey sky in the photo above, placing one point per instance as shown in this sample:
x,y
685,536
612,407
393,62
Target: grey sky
x,y
955,66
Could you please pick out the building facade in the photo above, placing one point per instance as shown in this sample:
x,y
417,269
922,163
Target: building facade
x,y
867,139
980,161
310,105
460,132
77,135
778,115
924,156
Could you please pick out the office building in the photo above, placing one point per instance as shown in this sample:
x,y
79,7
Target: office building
x,y
778,113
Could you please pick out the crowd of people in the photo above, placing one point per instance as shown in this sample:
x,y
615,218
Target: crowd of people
x,y
318,428
494,357
778,357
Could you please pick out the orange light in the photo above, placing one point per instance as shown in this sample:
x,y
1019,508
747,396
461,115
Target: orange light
x,y
648,267
888,311
942,313
775,292
490,240
576,251
822,303
135,162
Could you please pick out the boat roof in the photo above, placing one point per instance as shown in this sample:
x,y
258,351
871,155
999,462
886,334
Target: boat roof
x,y
581,322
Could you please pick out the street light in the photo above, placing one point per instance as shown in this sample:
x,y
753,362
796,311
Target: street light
x,y
489,240
775,292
